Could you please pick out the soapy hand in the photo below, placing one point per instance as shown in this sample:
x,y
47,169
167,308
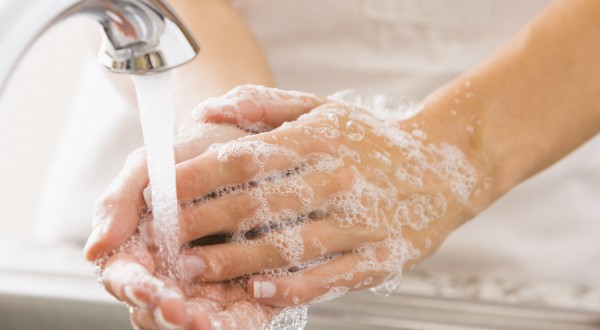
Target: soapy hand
x,y
336,200
159,302
126,260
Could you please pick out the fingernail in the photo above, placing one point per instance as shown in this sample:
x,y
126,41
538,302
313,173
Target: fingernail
x,y
148,196
264,289
192,266
130,294
96,235
160,319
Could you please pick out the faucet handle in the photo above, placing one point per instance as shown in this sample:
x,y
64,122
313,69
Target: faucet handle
x,y
143,36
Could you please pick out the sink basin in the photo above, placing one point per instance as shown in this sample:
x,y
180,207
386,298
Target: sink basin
x,y
355,311
56,289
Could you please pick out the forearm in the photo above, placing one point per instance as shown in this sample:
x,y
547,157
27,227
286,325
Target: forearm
x,y
530,103
230,55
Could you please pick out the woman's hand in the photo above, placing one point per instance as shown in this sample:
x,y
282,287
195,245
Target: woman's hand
x,y
126,259
158,302
335,201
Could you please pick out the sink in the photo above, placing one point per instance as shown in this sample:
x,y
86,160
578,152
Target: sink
x,y
355,311
59,291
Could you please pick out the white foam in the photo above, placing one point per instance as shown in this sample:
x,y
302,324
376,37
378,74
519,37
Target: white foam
x,y
418,210
290,319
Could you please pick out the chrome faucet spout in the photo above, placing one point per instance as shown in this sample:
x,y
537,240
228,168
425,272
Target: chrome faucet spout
x,y
140,36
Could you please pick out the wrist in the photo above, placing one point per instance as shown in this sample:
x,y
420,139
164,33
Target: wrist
x,y
456,115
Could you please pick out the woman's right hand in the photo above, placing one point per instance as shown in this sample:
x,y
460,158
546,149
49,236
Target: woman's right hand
x,y
127,262
127,265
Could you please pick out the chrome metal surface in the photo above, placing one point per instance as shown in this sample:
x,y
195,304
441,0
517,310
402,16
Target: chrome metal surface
x,y
140,36
403,311
353,312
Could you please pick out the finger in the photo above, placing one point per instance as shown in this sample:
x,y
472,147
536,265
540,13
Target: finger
x,y
171,313
190,314
198,139
116,213
168,312
276,250
199,320
247,314
254,157
204,302
239,162
218,216
128,275
224,306
204,310
122,273
261,203
142,318
118,210
256,108
327,281
214,297
239,315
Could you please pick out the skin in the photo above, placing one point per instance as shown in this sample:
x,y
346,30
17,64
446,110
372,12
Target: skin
x,y
230,56
541,82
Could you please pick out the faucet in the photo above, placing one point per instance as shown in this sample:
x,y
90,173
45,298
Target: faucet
x,y
140,36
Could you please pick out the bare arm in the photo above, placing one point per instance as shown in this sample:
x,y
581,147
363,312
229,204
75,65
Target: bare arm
x,y
533,101
229,56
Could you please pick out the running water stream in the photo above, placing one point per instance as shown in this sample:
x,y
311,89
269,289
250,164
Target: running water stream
x,y
157,116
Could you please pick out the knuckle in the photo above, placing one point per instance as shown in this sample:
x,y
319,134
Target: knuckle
x,y
242,208
244,166
293,295
192,175
103,207
219,265
379,234
188,225
342,180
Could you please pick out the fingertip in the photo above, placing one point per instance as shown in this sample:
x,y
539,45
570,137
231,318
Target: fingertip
x,y
171,313
268,292
118,226
137,297
216,115
192,266
103,240
263,289
199,321
121,271
96,242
